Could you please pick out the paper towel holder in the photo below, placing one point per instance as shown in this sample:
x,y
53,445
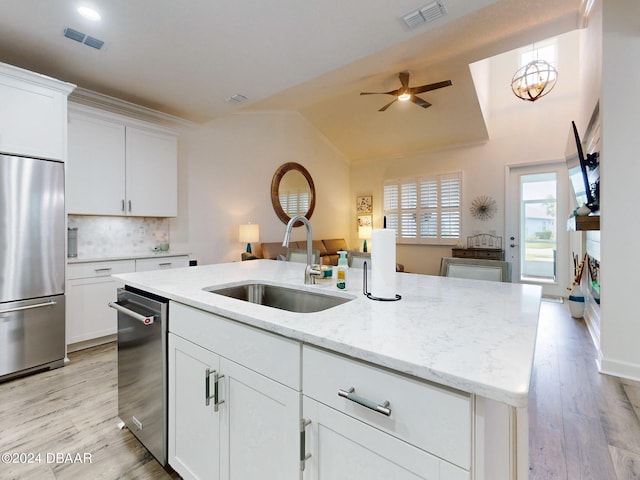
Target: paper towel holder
x,y
368,294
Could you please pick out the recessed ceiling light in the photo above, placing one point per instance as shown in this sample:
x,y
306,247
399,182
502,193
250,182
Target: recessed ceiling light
x,y
89,13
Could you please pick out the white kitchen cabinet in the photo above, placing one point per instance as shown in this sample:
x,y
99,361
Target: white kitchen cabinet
x,y
259,416
194,426
120,166
96,166
89,289
260,424
427,434
33,113
343,448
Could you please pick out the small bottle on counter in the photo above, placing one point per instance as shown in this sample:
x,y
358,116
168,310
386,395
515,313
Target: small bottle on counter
x,y
342,271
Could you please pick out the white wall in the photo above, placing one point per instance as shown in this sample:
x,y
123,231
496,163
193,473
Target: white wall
x,y
520,132
620,171
225,173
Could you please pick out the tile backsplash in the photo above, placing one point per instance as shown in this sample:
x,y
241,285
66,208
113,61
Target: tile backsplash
x,y
113,236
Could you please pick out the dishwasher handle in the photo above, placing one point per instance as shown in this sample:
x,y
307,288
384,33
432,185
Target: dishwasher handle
x,y
146,319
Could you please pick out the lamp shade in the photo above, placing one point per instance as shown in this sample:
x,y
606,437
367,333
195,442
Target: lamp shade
x,y
249,233
364,232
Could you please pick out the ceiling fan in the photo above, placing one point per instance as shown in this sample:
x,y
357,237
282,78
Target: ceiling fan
x,y
405,92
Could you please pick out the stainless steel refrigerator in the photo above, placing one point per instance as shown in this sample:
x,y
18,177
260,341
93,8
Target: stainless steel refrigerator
x,y
32,260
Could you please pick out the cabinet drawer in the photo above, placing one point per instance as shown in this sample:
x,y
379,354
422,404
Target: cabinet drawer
x,y
435,419
160,263
489,255
271,355
99,269
462,253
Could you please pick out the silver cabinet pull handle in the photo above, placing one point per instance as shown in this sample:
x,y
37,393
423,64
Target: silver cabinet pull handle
x,y
384,409
101,270
28,307
129,205
166,264
207,388
146,319
122,207
304,456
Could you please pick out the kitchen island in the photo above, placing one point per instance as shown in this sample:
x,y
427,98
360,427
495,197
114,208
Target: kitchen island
x,y
470,343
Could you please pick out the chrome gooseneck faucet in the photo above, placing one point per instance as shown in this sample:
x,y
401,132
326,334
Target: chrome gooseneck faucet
x,y
310,273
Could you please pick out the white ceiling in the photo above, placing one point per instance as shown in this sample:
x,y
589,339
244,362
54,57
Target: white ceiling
x,y
187,57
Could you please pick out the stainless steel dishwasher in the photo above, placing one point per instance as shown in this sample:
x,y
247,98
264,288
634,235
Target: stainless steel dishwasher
x,y
142,367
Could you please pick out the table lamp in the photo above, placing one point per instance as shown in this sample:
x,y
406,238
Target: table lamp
x,y
249,232
364,232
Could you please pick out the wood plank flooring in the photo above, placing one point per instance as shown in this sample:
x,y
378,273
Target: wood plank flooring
x,y
71,410
583,425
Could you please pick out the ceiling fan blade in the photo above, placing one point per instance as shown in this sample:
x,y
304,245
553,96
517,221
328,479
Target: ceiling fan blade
x,y
419,101
431,86
404,79
388,105
392,92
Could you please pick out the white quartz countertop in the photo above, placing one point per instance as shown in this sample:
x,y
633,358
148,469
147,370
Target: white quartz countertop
x,y
475,336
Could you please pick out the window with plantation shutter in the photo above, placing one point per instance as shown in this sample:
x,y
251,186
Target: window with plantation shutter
x,y
424,209
294,203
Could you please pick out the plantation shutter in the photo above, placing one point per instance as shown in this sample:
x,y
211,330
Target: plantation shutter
x,y
424,210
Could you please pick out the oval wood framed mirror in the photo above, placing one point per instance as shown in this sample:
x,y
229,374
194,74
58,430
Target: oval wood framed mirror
x,y
292,192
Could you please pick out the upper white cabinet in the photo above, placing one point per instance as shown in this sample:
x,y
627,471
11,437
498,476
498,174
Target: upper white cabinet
x,y
120,166
33,112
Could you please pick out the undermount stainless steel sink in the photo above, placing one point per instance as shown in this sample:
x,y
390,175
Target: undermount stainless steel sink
x,y
275,296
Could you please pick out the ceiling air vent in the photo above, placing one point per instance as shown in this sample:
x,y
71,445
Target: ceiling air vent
x,y
83,38
425,14
236,98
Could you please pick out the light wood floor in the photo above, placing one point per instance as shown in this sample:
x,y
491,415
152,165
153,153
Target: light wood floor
x,y
582,424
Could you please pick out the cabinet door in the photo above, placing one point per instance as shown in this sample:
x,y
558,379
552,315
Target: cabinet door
x,y
343,448
152,166
260,426
32,116
88,315
194,426
96,166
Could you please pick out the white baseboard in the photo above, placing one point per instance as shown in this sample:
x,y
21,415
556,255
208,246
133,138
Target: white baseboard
x,y
618,368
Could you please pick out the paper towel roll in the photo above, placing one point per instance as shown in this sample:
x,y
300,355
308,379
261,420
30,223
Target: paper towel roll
x,y
383,263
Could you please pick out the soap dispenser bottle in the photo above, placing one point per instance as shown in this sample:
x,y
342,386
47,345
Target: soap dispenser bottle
x,y
342,272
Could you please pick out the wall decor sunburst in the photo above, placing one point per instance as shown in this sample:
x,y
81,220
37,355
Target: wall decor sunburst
x,y
483,207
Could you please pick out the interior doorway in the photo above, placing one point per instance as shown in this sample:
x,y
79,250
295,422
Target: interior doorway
x,y
537,206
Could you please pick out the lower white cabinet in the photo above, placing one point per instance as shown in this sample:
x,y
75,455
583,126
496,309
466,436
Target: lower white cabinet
x,y
194,425
370,423
227,421
289,411
343,448
89,289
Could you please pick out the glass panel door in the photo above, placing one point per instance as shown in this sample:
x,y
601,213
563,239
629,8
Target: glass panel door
x,y
537,202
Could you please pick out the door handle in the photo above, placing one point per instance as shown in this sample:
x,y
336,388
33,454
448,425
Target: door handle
x,y
384,409
28,307
146,319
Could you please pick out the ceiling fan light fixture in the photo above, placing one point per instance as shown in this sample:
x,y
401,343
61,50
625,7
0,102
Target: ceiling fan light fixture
x,y
404,97
89,13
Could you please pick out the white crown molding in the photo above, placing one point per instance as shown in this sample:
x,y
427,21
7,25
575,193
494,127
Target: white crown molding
x,y
93,99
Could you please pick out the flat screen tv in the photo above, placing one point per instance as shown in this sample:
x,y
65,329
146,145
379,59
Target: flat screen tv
x,y
584,172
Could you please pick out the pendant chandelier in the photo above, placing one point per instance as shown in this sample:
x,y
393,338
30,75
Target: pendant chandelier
x,y
534,80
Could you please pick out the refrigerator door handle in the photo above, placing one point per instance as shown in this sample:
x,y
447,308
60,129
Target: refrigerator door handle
x,y
28,307
146,319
